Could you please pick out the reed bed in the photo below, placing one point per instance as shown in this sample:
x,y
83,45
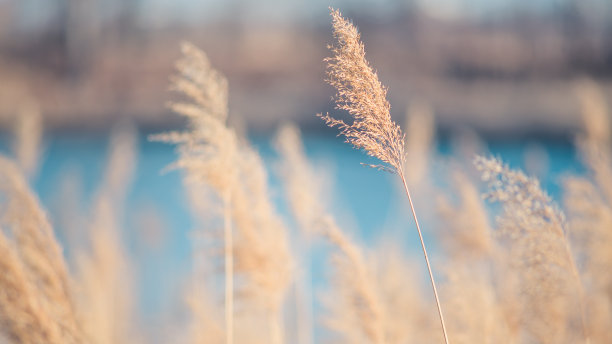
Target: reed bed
x,y
511,264
360,93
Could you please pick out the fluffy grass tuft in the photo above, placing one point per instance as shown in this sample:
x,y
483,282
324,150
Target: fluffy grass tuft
x,y
360,93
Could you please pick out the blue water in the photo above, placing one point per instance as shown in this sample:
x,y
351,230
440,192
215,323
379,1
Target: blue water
x,y
366,202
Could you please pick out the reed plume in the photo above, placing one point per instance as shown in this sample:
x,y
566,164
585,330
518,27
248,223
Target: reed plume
x,y
408,317
594,143
214,157
23,318
360,93
302,194
301,182
478,290
590,220
38,251
534,232
356,310
104,273
466,232
261,247
208,150
588,200
205,329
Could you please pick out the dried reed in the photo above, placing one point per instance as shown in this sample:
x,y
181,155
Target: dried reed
x,y
22,317
301,183
588,200
38,251
539,251
466,232
28,134
594,144
356,309
208,150
104,273
477,289
303,196
255,243
360,93
408,316
358,306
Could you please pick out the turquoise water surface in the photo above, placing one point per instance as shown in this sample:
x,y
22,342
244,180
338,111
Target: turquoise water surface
x,y
367,203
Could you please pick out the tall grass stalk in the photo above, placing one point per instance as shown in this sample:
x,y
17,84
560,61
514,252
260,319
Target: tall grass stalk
x,y
28,133
360,93
535,228
40,276
588,200
104,282
431,277
208,150
229,268
357,309
304,199
258,264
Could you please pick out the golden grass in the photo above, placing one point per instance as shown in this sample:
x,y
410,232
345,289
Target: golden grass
x,y
104,277
28,136
356,311
255,241
530,276
23,319
40,269
208,151
588,201
360,93
534,231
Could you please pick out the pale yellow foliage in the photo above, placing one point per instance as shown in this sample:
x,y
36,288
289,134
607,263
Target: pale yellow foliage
x,y
40,256
419,138
360,93
532,229
28,134
206,328
474,313
408,317
261,246
302,184
466,232
22,317
594,111
478,292
594,144
210,152
104,275
356,312
589,205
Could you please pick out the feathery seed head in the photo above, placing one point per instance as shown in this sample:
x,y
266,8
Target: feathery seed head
x,y
360,93
209,148
519,194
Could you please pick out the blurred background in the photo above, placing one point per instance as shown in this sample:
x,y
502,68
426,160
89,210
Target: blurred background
x,y
488,76
499,66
